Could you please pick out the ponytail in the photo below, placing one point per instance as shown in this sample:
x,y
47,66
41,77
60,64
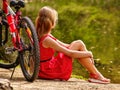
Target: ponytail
x,y
45,21
43,26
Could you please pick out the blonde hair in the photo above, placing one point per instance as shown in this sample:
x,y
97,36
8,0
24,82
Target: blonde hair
x,y
46,20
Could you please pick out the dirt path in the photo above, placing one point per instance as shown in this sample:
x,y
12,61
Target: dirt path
x,y
18,83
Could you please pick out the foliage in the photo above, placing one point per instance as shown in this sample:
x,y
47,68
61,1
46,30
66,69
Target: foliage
x,y
94,23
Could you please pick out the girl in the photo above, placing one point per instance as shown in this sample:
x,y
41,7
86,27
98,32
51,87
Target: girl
x,y
56,56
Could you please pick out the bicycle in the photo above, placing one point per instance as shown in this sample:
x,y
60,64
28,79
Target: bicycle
x,y
18,40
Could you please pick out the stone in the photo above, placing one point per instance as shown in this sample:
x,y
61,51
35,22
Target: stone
x,y
5,84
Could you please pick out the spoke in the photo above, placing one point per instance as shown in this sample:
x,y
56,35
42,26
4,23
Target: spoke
x,y
31,64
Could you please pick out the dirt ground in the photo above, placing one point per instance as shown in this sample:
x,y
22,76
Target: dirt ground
x,y
18,82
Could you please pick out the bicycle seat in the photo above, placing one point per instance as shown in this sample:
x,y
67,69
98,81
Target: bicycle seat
x,y
17,4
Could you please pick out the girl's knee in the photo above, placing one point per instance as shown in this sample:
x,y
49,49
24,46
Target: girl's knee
x,y
80,42
78,45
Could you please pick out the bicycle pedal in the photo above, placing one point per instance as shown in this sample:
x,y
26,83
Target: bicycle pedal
x,y
9,50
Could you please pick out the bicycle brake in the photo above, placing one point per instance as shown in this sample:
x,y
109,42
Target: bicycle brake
x,y
9,50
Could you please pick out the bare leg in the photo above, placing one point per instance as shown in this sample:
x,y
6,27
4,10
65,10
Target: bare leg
x,y
86,62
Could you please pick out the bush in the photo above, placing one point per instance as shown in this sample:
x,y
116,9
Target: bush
x,y
90,22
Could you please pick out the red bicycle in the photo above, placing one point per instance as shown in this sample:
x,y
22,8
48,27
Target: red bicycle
x,y
18,40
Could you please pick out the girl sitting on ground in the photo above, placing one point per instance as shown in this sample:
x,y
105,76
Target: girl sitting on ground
x,y
56,57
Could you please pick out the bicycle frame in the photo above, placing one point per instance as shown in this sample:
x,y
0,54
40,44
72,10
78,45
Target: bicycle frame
x,y
13,19
25,47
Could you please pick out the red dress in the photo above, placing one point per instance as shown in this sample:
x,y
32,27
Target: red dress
x,y
54,66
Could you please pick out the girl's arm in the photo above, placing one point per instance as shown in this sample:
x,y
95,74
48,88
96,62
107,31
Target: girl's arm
x,y
61,43
50,43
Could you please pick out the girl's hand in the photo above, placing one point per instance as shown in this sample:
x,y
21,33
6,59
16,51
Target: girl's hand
x,y
91,57
90,53
92,60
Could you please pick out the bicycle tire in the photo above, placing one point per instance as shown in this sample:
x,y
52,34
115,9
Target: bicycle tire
x,y
10,60
10,65
29,58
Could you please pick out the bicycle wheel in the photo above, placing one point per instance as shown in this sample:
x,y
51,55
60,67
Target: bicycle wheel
x,y
9,58
29,57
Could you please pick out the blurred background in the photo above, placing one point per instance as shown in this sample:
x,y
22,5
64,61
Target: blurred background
x,y
95,22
